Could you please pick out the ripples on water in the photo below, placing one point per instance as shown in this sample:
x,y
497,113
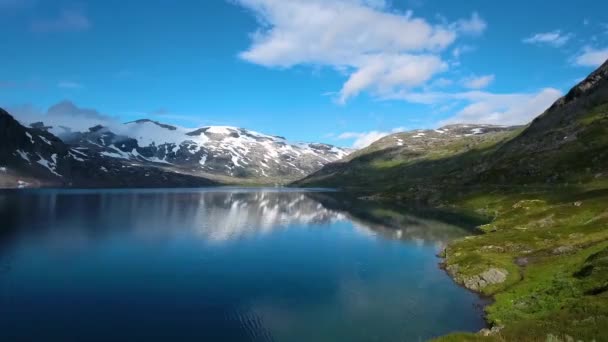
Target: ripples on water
x,y
223,264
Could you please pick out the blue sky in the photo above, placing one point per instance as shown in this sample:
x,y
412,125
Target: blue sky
x,y
338,71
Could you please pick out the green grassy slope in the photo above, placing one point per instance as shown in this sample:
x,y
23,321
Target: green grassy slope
x,y
382,167
553,246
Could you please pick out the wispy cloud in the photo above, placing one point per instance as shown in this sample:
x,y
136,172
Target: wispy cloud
x,y
66,20
460,50
380,50
488,108
554,38
64,113
591,57
504,109
364,139
478,82
473,26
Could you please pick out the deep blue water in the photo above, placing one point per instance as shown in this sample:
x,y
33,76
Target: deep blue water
x,y
222,265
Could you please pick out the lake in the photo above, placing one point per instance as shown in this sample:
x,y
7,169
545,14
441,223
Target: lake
x,y
224,264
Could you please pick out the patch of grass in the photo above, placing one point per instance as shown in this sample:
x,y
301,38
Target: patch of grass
x,y
555,247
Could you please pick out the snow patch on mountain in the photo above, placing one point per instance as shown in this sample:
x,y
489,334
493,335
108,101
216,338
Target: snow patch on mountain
x,y
50,165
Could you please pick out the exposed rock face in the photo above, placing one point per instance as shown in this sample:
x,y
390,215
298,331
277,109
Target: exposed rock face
x,y
478,282
489,277
492,331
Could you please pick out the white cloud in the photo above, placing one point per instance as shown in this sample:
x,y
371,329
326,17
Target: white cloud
x,y
364,139
384,73
66,114
459,50
441,83
69,85
379,49
483,107
591,57
67,20
473,26
555,38
504,109
478,82
80,119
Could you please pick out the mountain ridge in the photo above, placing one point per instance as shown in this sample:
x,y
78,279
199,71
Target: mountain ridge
x,y
207,155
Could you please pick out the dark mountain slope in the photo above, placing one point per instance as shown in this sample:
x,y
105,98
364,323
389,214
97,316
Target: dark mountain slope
x,y
568,143
34,154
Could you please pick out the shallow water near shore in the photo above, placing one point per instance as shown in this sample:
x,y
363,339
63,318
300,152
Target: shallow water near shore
x,y
223,264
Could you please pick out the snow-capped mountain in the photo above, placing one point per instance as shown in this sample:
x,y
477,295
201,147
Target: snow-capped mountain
x,y
158,154
227,154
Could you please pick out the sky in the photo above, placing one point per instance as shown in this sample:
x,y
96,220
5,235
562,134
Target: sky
x,y
344,72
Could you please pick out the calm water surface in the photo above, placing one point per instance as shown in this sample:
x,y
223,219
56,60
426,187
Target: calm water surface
x,y
222,265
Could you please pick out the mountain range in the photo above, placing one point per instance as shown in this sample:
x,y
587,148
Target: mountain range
x,y
147,153
564,144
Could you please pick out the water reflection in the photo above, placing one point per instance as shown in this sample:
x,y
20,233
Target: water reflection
x,y
224,265
218,215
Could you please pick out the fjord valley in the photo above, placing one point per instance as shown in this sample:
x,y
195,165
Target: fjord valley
x,y
536,193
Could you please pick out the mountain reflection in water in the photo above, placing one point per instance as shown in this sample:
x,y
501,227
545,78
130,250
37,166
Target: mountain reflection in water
x,y
224,265
217,215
